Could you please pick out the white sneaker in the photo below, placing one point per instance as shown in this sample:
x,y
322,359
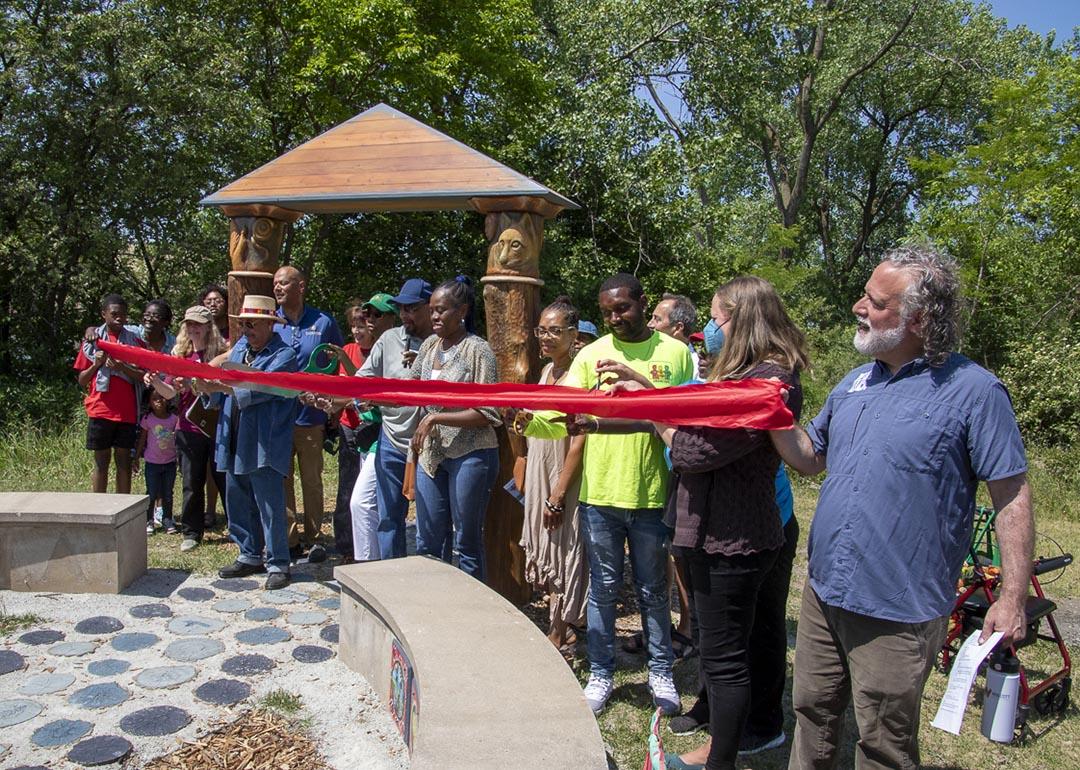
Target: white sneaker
x,y
664,694
189,544
597,691
150,528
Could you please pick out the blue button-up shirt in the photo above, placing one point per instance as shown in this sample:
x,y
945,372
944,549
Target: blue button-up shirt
x,y
314,328
904,454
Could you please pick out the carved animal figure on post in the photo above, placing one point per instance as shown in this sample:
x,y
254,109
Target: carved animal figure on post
x,y
255,242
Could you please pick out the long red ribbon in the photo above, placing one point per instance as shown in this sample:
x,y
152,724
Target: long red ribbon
x,y
728,404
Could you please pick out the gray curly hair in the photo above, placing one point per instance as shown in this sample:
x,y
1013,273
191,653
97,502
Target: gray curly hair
x,y
934,293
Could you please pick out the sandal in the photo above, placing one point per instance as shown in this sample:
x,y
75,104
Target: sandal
x,y
682,645
635,644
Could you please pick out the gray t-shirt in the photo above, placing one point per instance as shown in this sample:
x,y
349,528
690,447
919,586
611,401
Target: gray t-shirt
x,y
399,422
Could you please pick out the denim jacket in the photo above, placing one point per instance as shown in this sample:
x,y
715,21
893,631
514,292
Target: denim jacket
x,y
264,422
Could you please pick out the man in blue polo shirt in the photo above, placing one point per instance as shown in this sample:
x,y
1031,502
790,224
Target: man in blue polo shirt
x,y
303,329
905,440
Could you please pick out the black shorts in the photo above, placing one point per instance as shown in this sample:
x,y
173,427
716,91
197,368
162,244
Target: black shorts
x,y
106,434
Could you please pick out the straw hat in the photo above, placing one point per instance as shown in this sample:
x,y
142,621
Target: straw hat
x,y
259,308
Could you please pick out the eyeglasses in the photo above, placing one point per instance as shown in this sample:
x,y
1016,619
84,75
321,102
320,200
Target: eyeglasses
x,y
373,313
249,324
550,331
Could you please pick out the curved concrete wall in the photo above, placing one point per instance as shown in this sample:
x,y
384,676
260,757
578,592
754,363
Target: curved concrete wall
x,y
472,682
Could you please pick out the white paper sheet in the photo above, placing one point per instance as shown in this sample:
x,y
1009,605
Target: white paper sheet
x,y
950,714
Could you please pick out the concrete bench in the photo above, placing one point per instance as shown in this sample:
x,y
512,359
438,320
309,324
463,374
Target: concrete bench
x,y
471,682
71,542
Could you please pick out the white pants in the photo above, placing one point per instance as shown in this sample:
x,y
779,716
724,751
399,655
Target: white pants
x,y
365,512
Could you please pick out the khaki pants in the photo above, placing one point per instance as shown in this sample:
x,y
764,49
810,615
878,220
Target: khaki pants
x,y
308,454
881,665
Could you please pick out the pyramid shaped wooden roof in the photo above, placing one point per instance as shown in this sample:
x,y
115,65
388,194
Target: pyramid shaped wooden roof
x,y
381,160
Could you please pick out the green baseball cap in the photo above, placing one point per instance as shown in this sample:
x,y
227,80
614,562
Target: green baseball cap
x,y
382,302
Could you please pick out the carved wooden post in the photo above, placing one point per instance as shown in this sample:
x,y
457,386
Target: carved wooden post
x,y
258,230
514,228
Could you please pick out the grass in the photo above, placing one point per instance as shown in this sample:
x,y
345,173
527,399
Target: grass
x,y
43,462
282,701
9,624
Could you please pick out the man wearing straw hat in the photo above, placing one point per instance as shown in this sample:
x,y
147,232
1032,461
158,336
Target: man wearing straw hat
x,y
253,446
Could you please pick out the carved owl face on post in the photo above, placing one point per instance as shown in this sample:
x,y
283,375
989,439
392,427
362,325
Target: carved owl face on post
x,y
252,242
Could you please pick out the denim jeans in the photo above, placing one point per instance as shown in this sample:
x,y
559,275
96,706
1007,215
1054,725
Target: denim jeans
x,y
457,496
257,517
389,476
607,530
160,478
196,453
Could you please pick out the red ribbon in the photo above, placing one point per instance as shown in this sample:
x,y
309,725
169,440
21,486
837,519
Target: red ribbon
x,y
728,404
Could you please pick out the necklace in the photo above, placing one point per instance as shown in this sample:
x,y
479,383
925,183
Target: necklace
x,y
442,356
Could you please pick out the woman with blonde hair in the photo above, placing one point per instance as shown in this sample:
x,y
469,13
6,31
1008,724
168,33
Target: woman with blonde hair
x,y
199,340
727,524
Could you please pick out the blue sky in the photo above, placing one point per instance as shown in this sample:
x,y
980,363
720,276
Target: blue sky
x,y
1041,15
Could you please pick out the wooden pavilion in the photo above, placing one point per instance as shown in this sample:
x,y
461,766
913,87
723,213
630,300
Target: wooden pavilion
x,y
384,160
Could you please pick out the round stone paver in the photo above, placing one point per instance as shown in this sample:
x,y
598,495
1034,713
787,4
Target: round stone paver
x,y
43,684
60,732
13,712
263,635
310,653
232,605
100,624
284,596
108,667
100,750
99,696
235,584
331,633
136,640
307,618
195,648
193,625
223,692
164,676
196,594
247,665
331,603
11,661
262,614
72,649
42,636
145,611
154,721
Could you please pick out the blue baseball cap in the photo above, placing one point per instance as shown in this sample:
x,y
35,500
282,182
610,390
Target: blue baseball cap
x,y
413,291
588,327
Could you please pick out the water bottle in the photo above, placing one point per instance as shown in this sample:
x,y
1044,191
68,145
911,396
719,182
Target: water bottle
x,y
1002,697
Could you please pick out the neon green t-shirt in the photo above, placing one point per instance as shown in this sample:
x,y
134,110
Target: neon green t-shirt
x,y
622,470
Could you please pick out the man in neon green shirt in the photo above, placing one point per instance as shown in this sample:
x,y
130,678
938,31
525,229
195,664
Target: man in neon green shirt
x,y
623,490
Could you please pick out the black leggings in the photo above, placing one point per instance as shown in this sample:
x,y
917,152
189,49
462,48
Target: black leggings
x,y
725,591
194,451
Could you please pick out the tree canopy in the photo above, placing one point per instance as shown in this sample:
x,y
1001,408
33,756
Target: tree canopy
x,y
796,139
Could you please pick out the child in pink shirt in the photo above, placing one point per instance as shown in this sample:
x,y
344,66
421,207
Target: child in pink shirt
x,y
157,445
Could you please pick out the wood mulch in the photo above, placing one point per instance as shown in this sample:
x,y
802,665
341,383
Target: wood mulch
x,y
256,740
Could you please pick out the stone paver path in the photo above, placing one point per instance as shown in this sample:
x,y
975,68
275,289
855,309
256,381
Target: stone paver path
x,y
104,679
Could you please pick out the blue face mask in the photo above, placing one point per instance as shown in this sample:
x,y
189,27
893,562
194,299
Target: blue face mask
x,y
714,337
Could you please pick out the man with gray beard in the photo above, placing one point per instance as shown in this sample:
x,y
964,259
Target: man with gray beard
x,y
905,440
